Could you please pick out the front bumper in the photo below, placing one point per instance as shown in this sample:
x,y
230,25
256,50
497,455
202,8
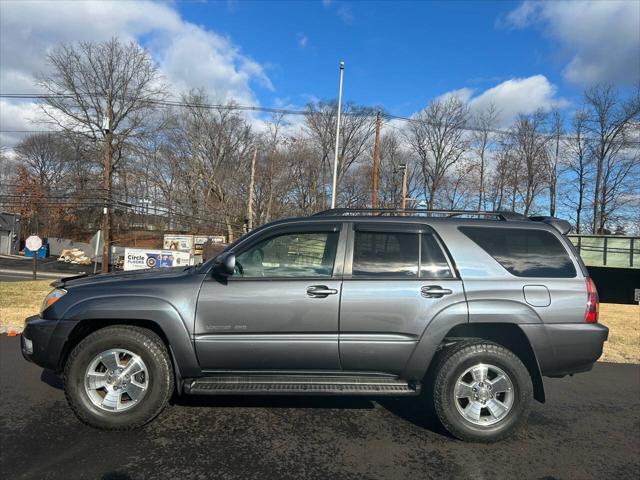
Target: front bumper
x,y
566,348
42,341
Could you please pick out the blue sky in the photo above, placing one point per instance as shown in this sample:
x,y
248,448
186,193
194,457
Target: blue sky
x,y
518,55
397,54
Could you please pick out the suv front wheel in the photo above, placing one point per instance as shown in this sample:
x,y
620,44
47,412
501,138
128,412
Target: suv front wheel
x,y
118,378
482,391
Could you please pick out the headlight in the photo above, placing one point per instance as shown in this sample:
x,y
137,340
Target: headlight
x,y
52,297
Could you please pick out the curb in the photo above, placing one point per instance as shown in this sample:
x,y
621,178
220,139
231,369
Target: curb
x,y
10,330
43,275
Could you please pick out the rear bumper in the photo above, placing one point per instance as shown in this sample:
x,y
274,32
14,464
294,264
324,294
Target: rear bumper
x,y
42,341
566,348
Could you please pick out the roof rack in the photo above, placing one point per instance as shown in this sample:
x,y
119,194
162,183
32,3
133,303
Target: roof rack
x,y
506,216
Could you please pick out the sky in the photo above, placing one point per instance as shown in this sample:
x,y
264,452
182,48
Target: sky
x,y
519,55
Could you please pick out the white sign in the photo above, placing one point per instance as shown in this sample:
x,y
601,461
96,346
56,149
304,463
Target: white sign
x,y
636,292
141,258
200,240
182,243
33,243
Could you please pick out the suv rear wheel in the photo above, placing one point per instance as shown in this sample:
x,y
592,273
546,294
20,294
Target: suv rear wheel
x,y
118,378
482,391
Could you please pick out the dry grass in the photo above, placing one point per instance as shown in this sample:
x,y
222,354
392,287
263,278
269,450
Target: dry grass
x,y
19,300
624,333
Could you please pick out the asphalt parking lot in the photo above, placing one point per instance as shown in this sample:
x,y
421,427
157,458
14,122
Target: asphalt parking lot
x,y
589,428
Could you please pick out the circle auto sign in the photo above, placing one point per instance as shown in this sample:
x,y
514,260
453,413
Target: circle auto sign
x,y
33,243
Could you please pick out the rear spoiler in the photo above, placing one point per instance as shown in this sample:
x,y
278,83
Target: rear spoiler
x,y
562,226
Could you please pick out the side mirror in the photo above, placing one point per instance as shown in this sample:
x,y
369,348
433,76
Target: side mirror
x,y
225,264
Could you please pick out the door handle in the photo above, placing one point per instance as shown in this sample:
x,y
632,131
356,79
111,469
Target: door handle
x,y
320,291
434,291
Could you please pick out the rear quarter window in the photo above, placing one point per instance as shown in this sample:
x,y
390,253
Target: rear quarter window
x,y
524,252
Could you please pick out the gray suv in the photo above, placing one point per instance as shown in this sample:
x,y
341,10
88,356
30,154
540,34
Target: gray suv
x,y
470,308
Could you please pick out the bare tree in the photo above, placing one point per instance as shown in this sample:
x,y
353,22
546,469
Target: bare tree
x,y
437,137
579,166
270,163
609,121
500,178
553,159
483,139
460,186
7,170
105,91
45,156
304,174
529,145
392,155
357,127
214,143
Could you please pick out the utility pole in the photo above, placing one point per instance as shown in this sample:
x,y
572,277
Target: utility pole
x,y
335,159
106,220
404,185
250,199
374,192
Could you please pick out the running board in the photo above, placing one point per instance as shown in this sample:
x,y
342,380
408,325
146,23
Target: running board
x,y
299,385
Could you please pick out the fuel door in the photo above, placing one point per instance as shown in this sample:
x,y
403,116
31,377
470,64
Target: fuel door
x,y
537,295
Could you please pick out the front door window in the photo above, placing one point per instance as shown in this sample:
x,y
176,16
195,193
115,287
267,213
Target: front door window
x,y
306,254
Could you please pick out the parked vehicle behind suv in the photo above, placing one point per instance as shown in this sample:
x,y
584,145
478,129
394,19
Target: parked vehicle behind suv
x,y
470,308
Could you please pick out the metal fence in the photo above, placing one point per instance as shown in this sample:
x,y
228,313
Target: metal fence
x,y
608,250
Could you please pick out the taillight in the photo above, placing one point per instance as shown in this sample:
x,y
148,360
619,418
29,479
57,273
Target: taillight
x,y
591,315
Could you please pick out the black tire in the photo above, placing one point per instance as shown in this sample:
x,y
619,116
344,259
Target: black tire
x,y
453,363
140,341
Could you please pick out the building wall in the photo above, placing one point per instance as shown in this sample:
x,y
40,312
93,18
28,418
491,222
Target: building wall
x,y
9,233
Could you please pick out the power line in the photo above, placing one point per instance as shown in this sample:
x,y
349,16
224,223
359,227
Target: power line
x,y
255,108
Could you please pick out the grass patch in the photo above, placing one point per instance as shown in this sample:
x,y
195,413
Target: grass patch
x,y
623,321
19,300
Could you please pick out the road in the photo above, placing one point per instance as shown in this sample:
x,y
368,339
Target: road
x,y
16,269
589,428
15,277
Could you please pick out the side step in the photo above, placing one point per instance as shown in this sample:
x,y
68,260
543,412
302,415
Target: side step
x,y
299,385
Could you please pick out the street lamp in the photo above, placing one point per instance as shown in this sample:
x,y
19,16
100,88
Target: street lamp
x,y
335,158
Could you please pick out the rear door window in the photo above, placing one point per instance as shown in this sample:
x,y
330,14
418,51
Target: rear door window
x,y
398,255
433,263
387,254
524,252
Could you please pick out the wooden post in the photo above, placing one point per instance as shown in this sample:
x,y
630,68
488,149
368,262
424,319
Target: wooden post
x,y
35,263
374,192
251,182
404,186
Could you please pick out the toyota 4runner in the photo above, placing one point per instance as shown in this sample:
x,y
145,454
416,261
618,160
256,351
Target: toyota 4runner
x,y
471,308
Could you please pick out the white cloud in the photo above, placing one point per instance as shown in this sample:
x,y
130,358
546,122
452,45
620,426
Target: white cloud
x,y
513,97
342,10
600,39
189,55
519,95
15,117
302,40
463,94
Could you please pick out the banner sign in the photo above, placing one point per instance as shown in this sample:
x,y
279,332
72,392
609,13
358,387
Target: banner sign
x,y
141,258
183,243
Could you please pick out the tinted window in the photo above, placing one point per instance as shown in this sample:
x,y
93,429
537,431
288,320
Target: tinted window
x,y
524,252
308,254
433,263
385,254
